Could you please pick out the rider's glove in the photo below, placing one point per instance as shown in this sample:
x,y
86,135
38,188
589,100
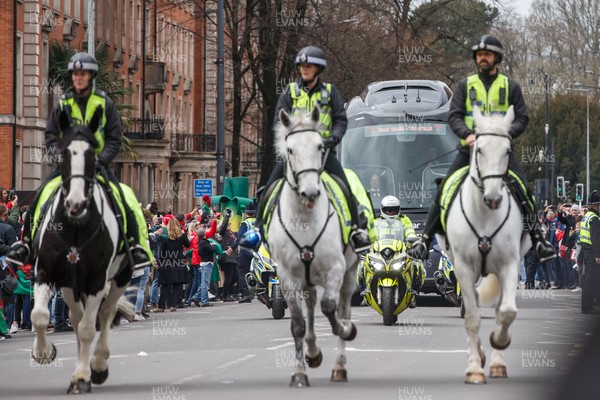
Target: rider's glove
x,y
331,142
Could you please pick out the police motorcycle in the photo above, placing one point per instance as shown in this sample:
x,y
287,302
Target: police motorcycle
x,y
445,280
263,282
391,278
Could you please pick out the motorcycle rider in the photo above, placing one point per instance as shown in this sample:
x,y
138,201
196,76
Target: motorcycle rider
x,y
493,93
392,225
303,95
81,102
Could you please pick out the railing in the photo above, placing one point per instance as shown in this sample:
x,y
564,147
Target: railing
x,y
204,142
154,128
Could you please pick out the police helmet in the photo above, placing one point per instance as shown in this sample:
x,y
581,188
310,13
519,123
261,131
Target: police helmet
x,y
250,209
312,55
594,198
490,43
390,207
83,62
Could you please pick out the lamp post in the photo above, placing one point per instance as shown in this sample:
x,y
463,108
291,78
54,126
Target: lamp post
x,y
579,88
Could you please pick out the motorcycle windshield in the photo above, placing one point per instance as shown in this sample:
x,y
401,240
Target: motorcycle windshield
x,y
400,156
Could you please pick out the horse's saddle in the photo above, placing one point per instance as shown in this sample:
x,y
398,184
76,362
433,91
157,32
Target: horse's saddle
x,y
454,181
336,193
49,192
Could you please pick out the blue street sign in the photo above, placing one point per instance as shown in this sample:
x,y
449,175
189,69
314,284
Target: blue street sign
x,y
202,187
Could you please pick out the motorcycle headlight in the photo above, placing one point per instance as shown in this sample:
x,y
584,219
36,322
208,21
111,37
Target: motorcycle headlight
x,y
378,265
398,265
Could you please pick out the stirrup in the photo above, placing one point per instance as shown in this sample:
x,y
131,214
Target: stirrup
x,y
537,249
140,258
19,253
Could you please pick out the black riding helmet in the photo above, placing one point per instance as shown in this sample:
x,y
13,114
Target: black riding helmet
x,y
312,55
490,43
83,62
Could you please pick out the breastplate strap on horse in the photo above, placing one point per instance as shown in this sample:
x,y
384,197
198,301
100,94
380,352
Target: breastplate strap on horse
x,y
484,242
307,253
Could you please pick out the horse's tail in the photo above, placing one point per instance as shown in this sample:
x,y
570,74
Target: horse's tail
x,y
489,290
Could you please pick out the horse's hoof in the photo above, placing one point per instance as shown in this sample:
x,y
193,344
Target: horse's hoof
x,y
339,375
498,371
45,358
495,345
314,362
352,333
299,380
99,377
80,387
475,378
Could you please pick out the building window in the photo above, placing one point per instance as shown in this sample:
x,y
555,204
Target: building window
x,y
67,5
19,68
139,30
123,19
139,100
117,16
46,86
131,29
77,12
85,11
106,14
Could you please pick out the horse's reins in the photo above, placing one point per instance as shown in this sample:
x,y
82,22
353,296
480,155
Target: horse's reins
x,y
307,253
484,243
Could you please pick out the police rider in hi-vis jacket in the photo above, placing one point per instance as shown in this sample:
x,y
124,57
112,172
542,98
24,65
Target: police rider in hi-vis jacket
x,y
81,103
303,95
493,93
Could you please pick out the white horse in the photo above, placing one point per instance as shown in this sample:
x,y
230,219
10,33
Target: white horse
x,y
306,242
485,234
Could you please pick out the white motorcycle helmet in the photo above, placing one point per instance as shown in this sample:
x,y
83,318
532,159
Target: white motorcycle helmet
x,y
390,207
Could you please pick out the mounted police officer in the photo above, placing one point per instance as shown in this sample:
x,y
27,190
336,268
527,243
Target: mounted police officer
x,y
493,93
303,95
81,103
590,247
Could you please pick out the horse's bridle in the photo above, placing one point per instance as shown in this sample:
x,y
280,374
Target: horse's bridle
x,y
90,193
479,183
296,175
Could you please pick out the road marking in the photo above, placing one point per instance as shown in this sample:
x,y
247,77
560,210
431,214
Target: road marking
x,y
239,360
405,351
189,378
280,346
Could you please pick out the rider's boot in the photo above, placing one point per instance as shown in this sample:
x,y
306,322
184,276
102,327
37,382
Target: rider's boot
x,y
543,249
364,289
359,237
140,258
420,248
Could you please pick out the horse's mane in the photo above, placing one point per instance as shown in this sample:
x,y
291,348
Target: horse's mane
x,y
299,120
494,123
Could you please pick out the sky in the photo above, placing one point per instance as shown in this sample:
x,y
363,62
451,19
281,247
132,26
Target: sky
x,y
521,6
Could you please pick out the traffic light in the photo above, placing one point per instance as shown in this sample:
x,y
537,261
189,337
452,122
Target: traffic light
x,y
567,189
560,187
579,192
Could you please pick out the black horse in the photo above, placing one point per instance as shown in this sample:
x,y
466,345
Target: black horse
x,y
78,252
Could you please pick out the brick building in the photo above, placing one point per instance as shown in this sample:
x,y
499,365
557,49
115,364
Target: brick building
x,y
173,42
